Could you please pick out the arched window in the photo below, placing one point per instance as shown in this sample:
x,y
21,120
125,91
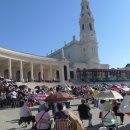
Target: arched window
x,y
90,27
82,14
82,26
18,75
88,13
6,74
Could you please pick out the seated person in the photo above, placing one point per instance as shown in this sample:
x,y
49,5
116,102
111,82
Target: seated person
x,y
115,106
26,115
43,119
60,114
84,112
109,120
101,108
61,118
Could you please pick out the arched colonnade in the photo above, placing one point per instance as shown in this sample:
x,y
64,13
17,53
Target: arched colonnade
x,y
25,67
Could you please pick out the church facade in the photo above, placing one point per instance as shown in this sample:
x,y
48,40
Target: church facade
x,y
82,54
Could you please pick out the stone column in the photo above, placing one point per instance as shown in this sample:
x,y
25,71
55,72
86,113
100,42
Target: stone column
x,y
32,77
21,71
10,68
62,78
68,72
50,75
41,68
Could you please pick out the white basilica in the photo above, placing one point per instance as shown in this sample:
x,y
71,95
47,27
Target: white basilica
x,y
76,60
82,54
60,65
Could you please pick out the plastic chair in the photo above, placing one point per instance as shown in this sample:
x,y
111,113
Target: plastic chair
x,y
62,124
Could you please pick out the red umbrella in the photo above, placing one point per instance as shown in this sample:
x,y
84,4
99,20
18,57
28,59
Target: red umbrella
x,y
58,97
116,87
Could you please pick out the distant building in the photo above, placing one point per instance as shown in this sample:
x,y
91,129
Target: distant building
x,y
94,75
127,66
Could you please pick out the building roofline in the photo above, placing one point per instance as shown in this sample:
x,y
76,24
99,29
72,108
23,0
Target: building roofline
x,y
9,51
64,47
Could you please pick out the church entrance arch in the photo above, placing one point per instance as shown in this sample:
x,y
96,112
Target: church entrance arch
x,y
71,74
65,72
6,74
29,76
18,76
39,77
57,75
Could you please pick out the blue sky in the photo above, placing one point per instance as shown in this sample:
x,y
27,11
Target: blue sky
x,y
39,26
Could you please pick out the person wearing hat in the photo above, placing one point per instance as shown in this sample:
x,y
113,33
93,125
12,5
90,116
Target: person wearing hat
x,y
42,119
108,118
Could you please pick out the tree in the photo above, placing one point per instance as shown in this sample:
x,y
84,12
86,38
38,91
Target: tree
x,y
128,65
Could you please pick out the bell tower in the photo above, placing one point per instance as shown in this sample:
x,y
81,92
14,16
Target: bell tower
x,y
88,35
86,21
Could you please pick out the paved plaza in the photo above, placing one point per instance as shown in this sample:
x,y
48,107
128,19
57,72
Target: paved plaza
x,y
9,118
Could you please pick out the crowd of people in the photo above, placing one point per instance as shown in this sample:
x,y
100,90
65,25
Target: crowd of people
x,y
89,94
11,95
109,109
7,93
42,120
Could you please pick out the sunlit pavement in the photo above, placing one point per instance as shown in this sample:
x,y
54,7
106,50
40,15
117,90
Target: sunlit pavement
x,y
9,118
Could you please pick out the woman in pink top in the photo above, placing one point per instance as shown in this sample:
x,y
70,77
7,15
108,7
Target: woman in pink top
x,y
43,119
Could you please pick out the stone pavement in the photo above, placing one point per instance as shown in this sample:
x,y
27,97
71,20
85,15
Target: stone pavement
x,y
9,118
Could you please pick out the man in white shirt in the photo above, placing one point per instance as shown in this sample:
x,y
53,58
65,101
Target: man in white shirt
x,y
13,98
